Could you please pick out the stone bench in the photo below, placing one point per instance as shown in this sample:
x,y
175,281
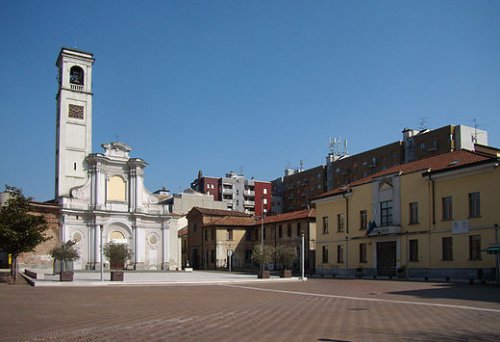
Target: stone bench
x,y
33,274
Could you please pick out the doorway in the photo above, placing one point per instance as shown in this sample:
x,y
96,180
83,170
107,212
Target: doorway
x,y
386,258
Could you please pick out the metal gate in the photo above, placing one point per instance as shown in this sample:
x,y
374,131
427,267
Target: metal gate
x,y
386,258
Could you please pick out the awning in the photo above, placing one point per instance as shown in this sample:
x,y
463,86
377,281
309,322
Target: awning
x,y
492,250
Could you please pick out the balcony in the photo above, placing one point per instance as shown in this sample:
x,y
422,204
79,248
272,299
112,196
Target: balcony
x,y
76,87
228,191
249,203
386,230
249,193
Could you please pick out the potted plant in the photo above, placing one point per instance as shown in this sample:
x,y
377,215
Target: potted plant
x,y
359,271
263,255
286,256
117,254
64,256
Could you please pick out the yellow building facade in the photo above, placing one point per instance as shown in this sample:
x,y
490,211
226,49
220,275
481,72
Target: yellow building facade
x,y
430,219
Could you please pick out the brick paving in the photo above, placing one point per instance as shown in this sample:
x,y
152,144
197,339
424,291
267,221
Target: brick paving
x,y
315,310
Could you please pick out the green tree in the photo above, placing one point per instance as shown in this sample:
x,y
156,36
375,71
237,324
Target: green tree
x,y
117,254
20,231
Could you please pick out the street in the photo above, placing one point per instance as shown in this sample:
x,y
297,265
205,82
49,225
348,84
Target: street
x,y
314,310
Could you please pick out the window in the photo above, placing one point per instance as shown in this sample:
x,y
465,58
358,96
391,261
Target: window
x,y
265,191
340,222
447,208
340,254
474,205
362,252
212,234
299,229
414,250
265,200
475,247
413,212
324,254
248,235
212,256
280,231
386,213
265,232
205,233
325,224
76,75
363,220
447,248
229,234
289,230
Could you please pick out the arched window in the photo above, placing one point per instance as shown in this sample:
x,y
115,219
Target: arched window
x,y
117,237
76,75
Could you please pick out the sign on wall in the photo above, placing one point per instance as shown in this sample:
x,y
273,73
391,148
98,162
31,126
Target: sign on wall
x,y
460,227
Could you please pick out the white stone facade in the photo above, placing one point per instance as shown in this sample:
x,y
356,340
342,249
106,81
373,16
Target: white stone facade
x,y
102,195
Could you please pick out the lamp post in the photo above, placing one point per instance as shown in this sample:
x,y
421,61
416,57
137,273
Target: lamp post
x,y
102,264
229,256
302,256
262,267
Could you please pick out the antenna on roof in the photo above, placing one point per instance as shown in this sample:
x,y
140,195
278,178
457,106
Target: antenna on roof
x,y
338,147
422,123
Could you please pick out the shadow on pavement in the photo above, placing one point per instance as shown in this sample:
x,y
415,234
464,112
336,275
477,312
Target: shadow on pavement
x,y
452,337
481,293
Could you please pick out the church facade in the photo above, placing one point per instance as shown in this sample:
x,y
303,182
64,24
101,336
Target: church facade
x,y
102,196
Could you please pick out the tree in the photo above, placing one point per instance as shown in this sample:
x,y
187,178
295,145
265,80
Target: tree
x,y
263,254
20,231
117,254
286,256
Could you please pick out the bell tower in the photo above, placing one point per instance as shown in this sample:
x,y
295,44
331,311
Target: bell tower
x,y
74,119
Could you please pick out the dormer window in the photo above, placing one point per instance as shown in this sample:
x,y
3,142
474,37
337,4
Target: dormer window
x,y
76,75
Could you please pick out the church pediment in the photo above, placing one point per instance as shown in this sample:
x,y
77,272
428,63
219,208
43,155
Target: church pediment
x,y
116,150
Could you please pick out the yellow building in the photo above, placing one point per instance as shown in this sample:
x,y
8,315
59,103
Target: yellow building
x,y
215,235
287,229
432,218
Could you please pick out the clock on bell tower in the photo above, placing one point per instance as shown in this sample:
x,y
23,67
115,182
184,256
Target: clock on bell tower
x,y
74,119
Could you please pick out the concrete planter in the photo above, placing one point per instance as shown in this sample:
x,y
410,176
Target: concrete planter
x,y
116,275
285,273
66,276
264,274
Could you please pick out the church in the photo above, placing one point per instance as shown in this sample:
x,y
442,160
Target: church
x,y
102,196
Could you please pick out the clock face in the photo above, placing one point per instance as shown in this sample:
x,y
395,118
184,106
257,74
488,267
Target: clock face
x,y
76,75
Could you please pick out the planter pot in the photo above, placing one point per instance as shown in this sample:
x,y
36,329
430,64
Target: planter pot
x,y
285,273
66,276
264,274
116,275
62,266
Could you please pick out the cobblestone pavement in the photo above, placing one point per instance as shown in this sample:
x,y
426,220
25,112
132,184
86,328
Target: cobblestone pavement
x,y
314,310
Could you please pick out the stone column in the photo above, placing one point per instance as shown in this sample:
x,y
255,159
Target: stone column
x,y
139,247
164,245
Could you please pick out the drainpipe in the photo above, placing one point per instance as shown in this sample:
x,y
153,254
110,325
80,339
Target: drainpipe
x,y
346,228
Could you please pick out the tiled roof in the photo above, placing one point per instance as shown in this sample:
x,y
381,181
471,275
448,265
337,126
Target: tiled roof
x,y
442,162
220,212
233,221
294,215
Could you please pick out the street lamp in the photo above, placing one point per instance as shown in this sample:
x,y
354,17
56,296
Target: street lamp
x,y
302,256
102,264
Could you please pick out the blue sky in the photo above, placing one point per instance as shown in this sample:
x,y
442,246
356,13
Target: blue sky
x,y
252,86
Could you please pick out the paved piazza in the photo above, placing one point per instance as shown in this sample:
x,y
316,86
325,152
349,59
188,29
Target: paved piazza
x,y
314,310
